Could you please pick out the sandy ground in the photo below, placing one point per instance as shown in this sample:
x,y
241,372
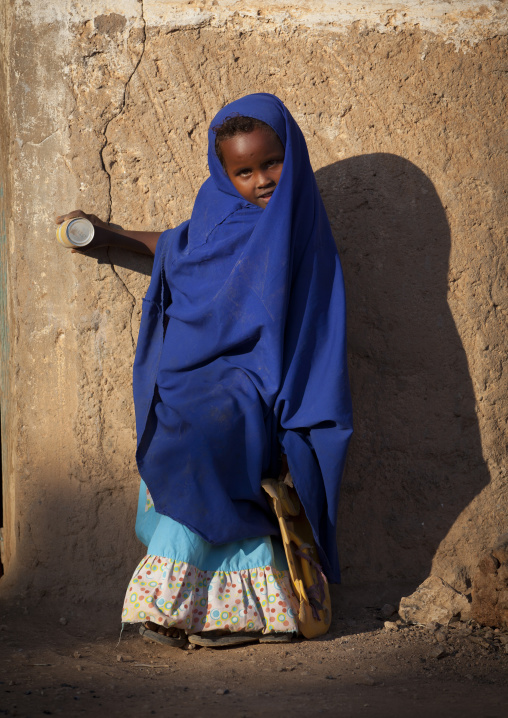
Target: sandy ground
x,y
73,665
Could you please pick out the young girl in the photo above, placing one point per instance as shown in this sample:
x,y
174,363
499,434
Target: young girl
x,y
240,363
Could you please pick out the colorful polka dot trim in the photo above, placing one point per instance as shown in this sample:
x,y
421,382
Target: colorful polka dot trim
x,y
174,593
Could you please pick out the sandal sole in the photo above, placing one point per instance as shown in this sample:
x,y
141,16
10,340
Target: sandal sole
x,y
221,641
238,640
276,638
149,635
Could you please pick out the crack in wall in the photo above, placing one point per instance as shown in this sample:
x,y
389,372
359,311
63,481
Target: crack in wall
x,y
122,107
103,163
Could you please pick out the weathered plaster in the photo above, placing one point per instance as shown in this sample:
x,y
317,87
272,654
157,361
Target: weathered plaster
x,y
458,21
5,304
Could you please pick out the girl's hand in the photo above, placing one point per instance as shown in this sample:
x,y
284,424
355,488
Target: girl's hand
x,y
79,213
96,241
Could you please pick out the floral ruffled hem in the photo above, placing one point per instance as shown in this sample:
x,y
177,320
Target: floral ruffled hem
x,y
174,593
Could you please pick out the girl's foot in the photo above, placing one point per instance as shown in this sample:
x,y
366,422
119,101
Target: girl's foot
x,y
165,631
164,635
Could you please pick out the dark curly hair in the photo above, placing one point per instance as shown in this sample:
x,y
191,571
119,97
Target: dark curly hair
x,y
236,125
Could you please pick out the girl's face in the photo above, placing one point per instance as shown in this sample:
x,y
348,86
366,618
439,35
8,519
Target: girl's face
x,y
253,163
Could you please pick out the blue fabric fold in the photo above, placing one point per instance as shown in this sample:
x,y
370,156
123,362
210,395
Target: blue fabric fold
x,y
241,351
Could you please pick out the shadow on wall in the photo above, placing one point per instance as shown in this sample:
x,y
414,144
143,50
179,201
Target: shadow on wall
x,y
415,461
122,258
77,546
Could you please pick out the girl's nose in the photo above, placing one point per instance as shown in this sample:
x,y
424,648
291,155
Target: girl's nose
x,y
263,179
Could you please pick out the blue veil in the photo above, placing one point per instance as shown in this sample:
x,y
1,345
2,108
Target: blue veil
x,y
241,352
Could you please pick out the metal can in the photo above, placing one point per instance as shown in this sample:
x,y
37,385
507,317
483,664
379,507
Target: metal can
x,y
77,232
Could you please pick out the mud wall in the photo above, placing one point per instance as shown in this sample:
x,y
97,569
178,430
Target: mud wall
x,y
403,107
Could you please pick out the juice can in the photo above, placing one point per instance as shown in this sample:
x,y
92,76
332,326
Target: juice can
x,y
77,232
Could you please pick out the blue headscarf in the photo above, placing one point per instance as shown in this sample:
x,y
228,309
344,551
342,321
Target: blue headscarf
x,y
241,351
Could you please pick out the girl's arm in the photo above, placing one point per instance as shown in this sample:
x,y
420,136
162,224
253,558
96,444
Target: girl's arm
x,y
106,236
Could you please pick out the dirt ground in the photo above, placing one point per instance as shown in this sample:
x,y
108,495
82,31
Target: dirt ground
x,y
72,664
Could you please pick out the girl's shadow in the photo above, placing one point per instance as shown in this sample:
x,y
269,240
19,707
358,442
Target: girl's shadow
x,y
416,458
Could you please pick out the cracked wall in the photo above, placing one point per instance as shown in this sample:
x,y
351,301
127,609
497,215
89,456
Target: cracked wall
x,y
404,113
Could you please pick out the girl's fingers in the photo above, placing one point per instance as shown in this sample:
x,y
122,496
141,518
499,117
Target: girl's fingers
x,y
71,215
79,213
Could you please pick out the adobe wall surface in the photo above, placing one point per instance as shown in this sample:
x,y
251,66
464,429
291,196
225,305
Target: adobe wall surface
x,y
403,106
